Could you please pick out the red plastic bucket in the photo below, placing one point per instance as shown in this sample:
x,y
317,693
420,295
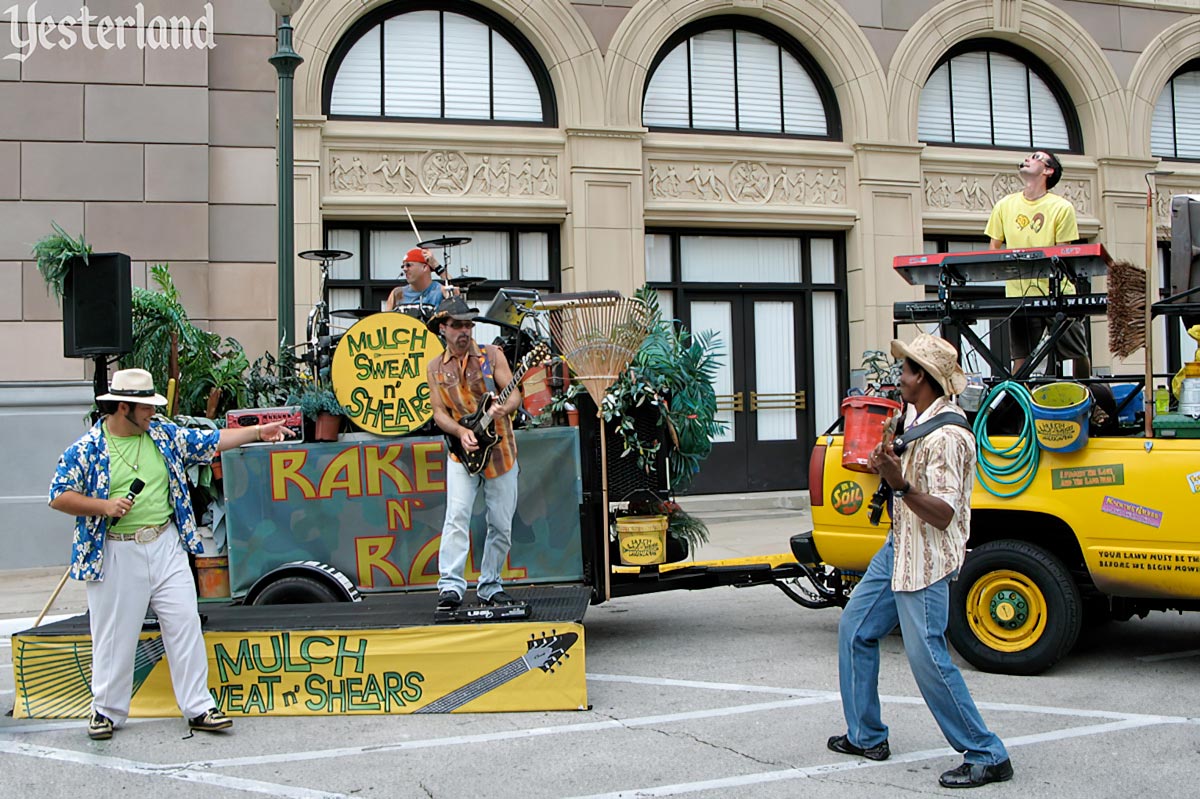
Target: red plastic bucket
x,y
865,417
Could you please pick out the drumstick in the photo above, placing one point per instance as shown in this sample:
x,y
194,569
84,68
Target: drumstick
x,y
416,232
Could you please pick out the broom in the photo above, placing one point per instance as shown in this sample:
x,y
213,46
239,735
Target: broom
x,y
598,337
1126,308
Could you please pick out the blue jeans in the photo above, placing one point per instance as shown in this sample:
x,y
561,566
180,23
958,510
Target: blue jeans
x,y
873,611
500,497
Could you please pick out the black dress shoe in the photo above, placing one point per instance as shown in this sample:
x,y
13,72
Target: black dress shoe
x,y
972,775
842,745
498,598
448,600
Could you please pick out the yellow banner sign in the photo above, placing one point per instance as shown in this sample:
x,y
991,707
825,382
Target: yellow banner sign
x,y
474,668
379,373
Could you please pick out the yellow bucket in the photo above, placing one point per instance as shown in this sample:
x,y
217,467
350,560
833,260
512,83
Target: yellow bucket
x,y
642,540
1060,416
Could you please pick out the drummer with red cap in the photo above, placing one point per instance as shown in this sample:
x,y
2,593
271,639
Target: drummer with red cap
x,y
420,287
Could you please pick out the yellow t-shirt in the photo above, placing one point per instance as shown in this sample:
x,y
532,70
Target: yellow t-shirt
x,y
1020,224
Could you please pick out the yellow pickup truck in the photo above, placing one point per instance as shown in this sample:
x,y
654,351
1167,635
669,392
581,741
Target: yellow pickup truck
x,y
1106,532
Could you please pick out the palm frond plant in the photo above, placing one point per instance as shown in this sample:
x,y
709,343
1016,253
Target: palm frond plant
x,y
56,254
168,345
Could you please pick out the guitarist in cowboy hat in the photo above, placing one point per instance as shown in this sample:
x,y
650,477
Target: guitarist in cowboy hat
x,y
460,380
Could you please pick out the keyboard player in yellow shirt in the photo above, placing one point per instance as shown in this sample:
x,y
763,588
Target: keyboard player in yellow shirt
x,y
1035,217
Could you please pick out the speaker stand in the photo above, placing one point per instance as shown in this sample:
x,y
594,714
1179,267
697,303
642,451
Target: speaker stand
x,y
99,381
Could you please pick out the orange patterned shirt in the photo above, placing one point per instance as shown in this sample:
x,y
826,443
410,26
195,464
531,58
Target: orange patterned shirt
x,y
459,381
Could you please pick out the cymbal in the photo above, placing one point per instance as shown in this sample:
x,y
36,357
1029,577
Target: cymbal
x,y
466,281
325,255
445,241
354,313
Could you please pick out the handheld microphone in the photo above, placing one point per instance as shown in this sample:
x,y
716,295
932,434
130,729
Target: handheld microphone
x,y
135,488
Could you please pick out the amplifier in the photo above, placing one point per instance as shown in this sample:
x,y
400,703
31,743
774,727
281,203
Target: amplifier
x,y
248,417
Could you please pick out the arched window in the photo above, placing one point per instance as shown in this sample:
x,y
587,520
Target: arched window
x,y
451,61
990,94
1175,131
733,74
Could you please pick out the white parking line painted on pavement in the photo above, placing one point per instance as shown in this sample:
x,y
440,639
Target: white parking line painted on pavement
x,y
1190,653
709,686
153,770
509,735
842,766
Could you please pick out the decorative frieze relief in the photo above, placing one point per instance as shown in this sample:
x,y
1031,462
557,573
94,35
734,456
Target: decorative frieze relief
x,y
745,183
442,173
958,192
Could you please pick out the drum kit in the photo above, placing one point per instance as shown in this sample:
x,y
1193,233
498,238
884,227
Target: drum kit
x,y
510,310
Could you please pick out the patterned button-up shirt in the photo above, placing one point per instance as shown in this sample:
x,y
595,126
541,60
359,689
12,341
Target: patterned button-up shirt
x,y
83,468
941,464
460,383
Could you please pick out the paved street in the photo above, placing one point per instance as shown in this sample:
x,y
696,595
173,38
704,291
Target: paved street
x,y
715,693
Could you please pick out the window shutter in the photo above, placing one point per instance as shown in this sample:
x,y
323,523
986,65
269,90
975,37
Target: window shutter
x,y
534,252
758,83
356,87
1010,102
514,92
666,103
972,104
712,81
934,116
1187,114
1049,125
803,111
467,74
1162,132
412,65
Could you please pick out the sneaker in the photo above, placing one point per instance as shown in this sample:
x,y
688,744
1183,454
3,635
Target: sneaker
x,y
972,775
449,600
498,598
100,727
842,745
210,721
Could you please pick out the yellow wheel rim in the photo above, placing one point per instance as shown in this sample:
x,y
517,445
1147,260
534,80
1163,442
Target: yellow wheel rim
x,y
1006,611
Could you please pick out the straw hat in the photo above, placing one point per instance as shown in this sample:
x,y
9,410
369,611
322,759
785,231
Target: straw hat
x,y
133,385
452,308
936,356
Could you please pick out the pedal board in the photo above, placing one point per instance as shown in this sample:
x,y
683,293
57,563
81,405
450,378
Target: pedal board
x,y
475,613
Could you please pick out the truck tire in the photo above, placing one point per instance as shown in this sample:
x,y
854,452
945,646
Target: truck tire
x,y
1014,609
296,589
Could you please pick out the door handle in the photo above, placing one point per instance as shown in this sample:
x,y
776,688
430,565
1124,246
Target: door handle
x,y
731,402
778,402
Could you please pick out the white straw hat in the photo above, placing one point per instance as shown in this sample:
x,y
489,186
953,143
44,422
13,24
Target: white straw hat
x,y
133,385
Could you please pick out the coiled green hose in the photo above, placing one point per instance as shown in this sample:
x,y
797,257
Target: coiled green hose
x,y
1017,464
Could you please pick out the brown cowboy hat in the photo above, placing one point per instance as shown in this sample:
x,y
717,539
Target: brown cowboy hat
x,y
936,356
452,308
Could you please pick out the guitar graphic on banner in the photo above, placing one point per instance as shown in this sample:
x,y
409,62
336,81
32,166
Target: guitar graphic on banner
x,y
481,422
544,653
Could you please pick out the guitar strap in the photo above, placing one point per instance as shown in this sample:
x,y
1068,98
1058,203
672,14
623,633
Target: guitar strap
x,y
485,366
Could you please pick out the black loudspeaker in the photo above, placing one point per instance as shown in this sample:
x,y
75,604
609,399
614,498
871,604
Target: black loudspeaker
x,y
98,307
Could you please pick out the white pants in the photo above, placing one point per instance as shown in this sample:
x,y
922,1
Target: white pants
x,y
138,576
500,497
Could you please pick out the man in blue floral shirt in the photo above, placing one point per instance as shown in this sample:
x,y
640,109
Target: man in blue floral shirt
x,y
131,545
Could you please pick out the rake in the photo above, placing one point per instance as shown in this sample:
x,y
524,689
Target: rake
x,y
598,337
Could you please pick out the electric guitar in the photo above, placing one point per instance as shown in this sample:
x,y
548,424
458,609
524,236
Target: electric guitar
x,y
481,422
544,653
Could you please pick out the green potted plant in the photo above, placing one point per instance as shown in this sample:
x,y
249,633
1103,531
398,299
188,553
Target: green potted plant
x,y
56,255
321,406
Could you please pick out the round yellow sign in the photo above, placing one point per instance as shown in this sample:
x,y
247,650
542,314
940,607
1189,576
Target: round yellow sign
x,y
379,373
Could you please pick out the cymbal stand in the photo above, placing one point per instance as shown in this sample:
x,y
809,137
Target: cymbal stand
x,y
317,328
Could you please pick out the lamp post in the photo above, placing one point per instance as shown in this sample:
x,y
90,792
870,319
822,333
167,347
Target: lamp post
x,y
285,61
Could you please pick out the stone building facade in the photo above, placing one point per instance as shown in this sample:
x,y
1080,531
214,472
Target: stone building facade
x,y
169,155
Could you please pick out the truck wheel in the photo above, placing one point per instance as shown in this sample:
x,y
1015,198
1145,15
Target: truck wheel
x,y
1014,609
296,590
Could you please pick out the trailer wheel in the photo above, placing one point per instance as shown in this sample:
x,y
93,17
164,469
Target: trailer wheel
x,y
1014,609
296,590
